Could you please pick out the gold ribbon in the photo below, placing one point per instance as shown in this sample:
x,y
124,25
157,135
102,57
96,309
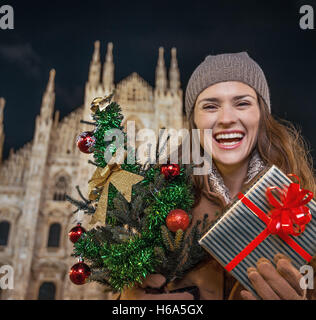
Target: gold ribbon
x,y
122,180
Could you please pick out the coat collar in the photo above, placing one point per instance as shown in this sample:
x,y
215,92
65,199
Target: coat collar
x,y
216,182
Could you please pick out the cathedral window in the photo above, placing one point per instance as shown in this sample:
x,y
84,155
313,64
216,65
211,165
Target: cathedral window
x,y
4,232
47,291
54,235
61,187
131,94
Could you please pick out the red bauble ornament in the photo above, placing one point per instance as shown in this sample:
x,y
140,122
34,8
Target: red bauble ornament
x,y
79,273
170,170
76,232
177,219
86,141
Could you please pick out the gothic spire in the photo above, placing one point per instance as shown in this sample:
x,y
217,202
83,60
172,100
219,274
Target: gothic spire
x,y
174,73
161,73
2,104
51,81
95,66
108,69
48,100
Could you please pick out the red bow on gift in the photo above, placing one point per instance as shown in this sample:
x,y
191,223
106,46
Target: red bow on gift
x,y
289,215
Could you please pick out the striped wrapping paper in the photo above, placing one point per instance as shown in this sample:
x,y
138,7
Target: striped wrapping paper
x,y
238,226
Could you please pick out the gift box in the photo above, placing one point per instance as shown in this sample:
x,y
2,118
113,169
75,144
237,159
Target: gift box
x,y
273,216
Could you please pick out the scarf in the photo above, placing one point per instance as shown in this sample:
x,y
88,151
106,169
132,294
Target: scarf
x,y
216,181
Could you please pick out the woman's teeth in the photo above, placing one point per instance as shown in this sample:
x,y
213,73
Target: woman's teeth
x,y
229,143
229,136
229,139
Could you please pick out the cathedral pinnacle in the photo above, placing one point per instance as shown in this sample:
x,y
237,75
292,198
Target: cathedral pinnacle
x,y
174,74
108,69
2,104
161,73
48,100
95,65
51,81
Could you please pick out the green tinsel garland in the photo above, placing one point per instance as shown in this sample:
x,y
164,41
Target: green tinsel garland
x,y
135,256
106,122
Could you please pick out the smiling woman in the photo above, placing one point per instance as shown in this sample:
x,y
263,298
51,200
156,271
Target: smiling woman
x,y
229,94
231,110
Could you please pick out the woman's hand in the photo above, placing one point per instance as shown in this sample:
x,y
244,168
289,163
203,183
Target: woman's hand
x,y
153,281
280,283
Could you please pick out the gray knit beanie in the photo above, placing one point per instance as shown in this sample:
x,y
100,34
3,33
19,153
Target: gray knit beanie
x,y
226,67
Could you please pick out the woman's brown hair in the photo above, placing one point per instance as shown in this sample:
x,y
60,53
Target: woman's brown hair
x,y
279,143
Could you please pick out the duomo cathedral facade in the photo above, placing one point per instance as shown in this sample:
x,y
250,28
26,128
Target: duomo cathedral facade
x,y
34,217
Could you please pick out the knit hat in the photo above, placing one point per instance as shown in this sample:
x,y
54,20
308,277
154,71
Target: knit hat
x,y
226,67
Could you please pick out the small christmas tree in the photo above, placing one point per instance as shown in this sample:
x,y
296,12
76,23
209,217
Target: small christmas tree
x,y
143,209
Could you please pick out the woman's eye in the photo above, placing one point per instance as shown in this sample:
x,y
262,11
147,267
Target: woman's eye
x,y
245,103
209,107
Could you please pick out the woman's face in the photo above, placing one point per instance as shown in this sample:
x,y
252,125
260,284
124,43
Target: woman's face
x,y
231,110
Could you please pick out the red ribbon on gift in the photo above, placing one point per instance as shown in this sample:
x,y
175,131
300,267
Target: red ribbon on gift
x,y
288,217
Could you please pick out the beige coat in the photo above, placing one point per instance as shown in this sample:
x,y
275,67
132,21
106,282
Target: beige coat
x,y
211,278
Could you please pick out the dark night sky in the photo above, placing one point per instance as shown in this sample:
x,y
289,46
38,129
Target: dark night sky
x,y
60,35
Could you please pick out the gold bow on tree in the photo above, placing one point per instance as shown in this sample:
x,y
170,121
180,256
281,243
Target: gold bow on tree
x,y
100,103
122,180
